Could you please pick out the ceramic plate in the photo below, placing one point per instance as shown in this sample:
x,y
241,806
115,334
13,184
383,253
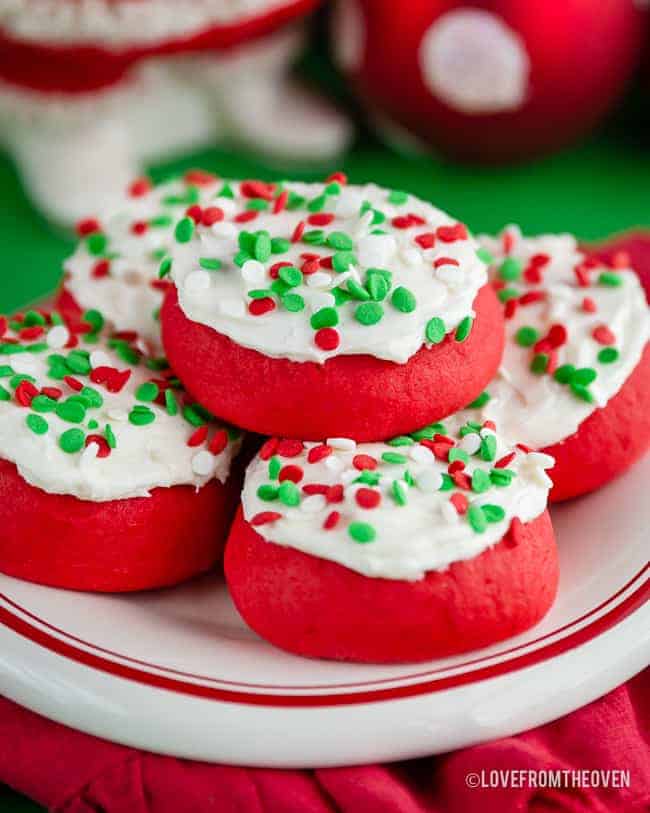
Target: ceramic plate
x,y
178,672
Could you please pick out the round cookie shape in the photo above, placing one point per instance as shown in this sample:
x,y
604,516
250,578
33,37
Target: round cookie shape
x,y
440,541
307,272
105,462
117,264
573,380
356,396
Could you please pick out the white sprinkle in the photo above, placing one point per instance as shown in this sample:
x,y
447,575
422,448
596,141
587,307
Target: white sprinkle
x,y
197,282
23,364
89,454
450,275
227,206
349,476
429,480
320,299
421,454
318,280
449,513
117,414
344,444
224,231
471,443
313,504
544,461
376,250
348,202
254,273
363,224
334,464
58,337
99,359
486,432
203,463
232,307
411,256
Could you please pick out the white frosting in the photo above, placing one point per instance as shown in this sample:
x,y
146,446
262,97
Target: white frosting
x,y
131,294
474,62
425,533
221,299
144,457
126,22
536,409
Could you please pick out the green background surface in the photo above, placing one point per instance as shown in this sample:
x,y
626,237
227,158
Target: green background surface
x,y
594,189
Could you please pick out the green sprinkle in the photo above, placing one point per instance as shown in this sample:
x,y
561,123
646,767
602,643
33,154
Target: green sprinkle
x,y
210,263
476,518
488,450
493,513
401,440
539,364
510,269
171,404
317,204
408,478
397,197
369,313
325,317
608,355
72,440
526,336
95,319
33,318
485,256
581,392
314,237
157,364
290,275
501,477
610,279
398,490
71,411
289,493
369,478
341,296
333,188
447,482
275,467
480,481
357,291
362,532
165,267
110,436
378,286
340,241
435,330
141,415
91,397
429,432
17,380
192,415
226,192
240,258
92,424
262,247
403,300
295,201
293,302
342,260
464,329
564,374
394,458
584,376
78,361
38,425
5,370
479,402
147,391
96,243
280,245
507,293
184,230
457,454
160,221
42,403
267,492
259,293
257,205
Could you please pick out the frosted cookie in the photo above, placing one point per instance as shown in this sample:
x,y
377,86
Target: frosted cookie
x,y
428,545
575,376
117,265
314,310
111,477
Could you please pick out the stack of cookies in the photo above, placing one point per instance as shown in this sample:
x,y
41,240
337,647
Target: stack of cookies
x,y
421,394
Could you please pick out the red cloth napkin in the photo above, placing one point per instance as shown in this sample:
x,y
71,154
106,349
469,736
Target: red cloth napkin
x,y
70,772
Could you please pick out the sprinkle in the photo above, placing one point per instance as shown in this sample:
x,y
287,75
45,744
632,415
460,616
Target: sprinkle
x,y
493,513
399,492
464,329
72,441
317,453
147,392
403,300
331,520
477,519
184,230
265,517
479,402
141,415
480,481
610,279
267,492
460,502
369,313
58,337
539,363
603,335
325,317
394,458
501,477
606,356
284,448
38,425
588,305
471,443
526,336
219,442
510,269
289,494
292,473
258,307
364,462
198,437
367,498
449,234
362,532
435,330
327,338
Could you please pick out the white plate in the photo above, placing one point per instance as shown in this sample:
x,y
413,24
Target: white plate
x,y
178,672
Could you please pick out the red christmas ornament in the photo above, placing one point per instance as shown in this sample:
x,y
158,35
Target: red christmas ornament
x,y
490,80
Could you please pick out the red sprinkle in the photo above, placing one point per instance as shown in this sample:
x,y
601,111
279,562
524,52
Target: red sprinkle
x,y
289,448
457,465
24,393
449,234
212,215
320,219
269,448
281,202
552,364
327,338
367,498
310,267
101,269
139,227
460,502
3,326
603,335
104,449
139,187
198,437
337,177
317,453
331,520
505,461
257,189
195,212
510,308
32,332
315,488
426,240
557,335
523,448
199,177
290,472
334,493
246,217
582,276
52,392
218,442
588,305
530,297
298,232
73,383
274,270
258,307
445,261
264,517
462,480
364,461
508,242
88,226
327,262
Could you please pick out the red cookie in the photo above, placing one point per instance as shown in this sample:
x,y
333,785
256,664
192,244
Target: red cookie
x,y
318,608
352,396
114,546
608,442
